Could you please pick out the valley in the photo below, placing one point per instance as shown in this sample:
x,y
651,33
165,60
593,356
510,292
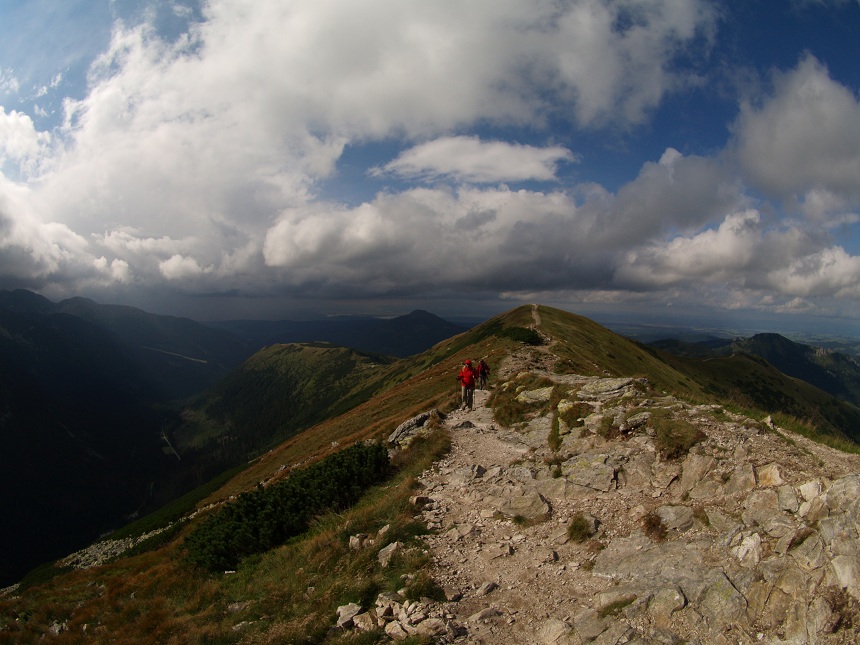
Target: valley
x,y
600,491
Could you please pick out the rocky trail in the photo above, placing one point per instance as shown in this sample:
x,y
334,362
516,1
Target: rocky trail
x,y
749,536
608,512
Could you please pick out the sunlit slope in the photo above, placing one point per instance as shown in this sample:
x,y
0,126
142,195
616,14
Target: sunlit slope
x,y
333,396
277,392
585,347
751,382
388,396
366,397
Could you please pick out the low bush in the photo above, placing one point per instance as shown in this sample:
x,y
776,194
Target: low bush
x,y
554,438
521,335
508,410
654,527
846,610
267,517
674,437
607,428
613,609
579,529
573,413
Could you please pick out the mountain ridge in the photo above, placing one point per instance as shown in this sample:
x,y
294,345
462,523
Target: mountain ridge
x,y
615,448
400,336
829,370
89,397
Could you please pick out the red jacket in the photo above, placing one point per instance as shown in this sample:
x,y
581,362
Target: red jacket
x,y
467,375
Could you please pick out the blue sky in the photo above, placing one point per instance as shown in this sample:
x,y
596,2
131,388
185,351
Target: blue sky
x,y
264,159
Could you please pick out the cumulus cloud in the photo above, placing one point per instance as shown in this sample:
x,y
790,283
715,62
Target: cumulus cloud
x,y
196,139
497,238
828,272
200,162
178,267
611,59
33,250
802,143
470,160
19,140
683,192
719,255
746,256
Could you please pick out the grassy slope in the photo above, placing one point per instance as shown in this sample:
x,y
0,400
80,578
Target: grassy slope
x,y
741,380
290,594
279,391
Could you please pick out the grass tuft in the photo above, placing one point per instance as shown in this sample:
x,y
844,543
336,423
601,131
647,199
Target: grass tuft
x,y
654,527
674,437
579,529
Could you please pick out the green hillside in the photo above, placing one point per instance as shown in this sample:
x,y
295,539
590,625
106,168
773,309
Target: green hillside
x,y
829,370
276,393
346,397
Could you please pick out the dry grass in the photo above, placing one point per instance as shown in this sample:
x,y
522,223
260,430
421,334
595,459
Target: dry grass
x,y
654,527
286,595
579,529
674,436
507,410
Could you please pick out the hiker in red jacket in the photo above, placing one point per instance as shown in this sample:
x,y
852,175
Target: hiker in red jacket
x,y
467,378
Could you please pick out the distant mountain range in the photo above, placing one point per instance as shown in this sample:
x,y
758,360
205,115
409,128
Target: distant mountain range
x,y
84,392
107,411
290,592
401,336
831,371
90,394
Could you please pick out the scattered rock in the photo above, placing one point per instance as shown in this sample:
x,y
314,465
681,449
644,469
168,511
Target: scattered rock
x,y
754,531
484,614
387,553
486,588
346,613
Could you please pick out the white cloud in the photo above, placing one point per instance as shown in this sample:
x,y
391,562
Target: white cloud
x,y
206,138
179,267
116,271
199,161
828,272
470,160
713,255
33,250
9,83
802,143
747,259
611,60
19,139
683,192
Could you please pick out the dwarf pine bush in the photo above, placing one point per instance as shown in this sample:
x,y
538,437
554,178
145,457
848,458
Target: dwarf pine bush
x,y
263,519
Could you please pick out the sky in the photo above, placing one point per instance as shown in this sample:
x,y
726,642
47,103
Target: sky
x,y
269,159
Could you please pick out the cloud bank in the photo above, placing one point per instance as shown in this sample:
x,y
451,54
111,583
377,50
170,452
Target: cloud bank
x,y
201,164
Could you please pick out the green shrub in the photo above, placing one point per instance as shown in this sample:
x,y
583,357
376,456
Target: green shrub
x,y
674,437
423,586
572,414
267,517
607,429
508,410
554,438
521,335
579,529
614,608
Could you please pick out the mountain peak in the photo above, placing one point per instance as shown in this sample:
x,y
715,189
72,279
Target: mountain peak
x,y
589,496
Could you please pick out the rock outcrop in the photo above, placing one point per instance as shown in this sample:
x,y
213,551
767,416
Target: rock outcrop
x,y
742,534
